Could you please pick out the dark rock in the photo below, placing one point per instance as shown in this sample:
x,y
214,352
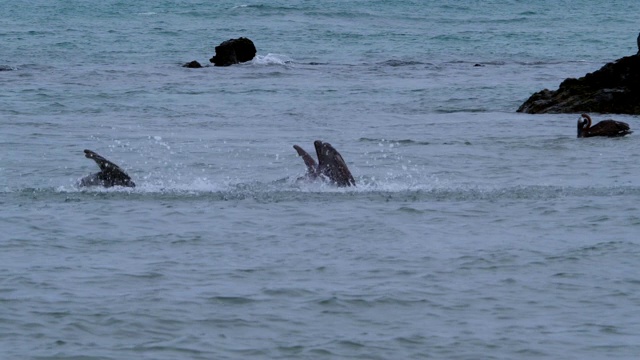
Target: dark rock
x,y
614,88
234,51
192,65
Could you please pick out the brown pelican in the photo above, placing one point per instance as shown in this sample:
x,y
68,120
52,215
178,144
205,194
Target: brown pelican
x,y
610,128
110,174
330,164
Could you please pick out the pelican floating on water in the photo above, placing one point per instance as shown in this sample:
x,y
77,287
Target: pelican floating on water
x,y
610,128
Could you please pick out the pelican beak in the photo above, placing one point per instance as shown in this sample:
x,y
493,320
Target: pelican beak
x,y
580,126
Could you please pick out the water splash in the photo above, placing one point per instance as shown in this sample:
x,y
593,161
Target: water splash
x,y
271,59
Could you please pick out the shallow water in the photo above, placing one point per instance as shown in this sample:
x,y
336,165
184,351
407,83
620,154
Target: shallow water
x,y
474,231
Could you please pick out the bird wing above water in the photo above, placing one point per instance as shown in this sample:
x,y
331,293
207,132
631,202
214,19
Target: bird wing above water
x,y
110,174
332,165
308,160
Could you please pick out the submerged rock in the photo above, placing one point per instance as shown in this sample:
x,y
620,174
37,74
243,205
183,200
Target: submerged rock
x,y
234,51
192,65
614,88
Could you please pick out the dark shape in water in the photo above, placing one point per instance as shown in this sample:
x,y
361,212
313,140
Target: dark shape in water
x,y
609,128
234,51
330,164
192,65
110,174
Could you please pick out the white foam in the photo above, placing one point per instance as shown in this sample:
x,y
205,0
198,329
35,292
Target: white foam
x,y
271,59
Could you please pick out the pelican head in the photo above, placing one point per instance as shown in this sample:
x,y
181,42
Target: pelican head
x,y
583,124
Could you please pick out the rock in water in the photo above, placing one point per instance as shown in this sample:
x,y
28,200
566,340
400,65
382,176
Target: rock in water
x,y
234,51
614,88
192,65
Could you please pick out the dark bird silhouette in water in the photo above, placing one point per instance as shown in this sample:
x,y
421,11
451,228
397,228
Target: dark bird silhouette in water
x,y
110,174
330,165
638,44
609,128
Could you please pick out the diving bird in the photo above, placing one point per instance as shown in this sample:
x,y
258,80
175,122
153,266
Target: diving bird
x,y
110,174
610,128
330,164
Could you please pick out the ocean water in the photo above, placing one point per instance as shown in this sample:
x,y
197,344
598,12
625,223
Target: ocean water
x,y
474,232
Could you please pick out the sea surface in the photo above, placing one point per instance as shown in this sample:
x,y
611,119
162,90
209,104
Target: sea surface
x,y
474,232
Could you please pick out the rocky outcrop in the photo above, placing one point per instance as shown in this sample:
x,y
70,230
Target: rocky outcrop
x,y
614,88
234,51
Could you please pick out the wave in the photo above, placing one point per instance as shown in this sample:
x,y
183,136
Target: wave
x,y
392,65
265,7
395,142
290,189
397,63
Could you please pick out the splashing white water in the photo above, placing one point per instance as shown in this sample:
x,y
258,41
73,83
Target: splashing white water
x,y
271,59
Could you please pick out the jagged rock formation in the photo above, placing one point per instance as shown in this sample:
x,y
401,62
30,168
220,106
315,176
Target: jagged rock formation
x,y
614,88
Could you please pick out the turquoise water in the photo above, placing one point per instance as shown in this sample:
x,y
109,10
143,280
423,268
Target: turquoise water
x,y
474,231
